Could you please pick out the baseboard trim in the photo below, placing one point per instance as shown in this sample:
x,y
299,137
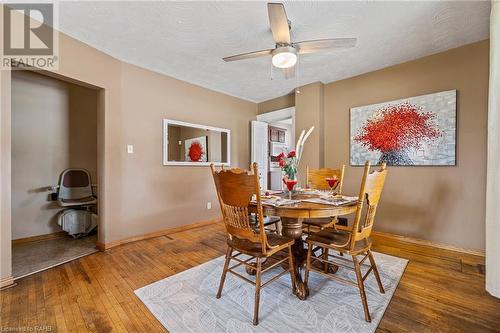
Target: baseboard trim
x,y
39,238
375,235
6,282
423,242
163,232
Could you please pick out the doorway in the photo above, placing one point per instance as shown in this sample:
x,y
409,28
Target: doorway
x,y
272,133
54,128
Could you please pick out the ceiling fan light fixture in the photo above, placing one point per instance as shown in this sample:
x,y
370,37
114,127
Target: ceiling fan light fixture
x,y
284,57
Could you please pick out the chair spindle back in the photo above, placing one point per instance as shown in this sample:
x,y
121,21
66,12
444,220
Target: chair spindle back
x,y
235,189
316,178
370,191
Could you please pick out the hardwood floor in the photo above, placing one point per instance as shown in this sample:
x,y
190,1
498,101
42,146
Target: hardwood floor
x,y
441,291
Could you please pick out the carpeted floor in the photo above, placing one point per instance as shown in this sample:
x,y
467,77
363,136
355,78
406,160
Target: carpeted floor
x,y
186,301
34,257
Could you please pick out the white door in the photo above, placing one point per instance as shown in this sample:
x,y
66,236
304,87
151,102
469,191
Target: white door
x,y
260,148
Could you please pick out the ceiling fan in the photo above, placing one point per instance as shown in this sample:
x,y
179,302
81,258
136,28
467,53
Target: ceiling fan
x,y
284,55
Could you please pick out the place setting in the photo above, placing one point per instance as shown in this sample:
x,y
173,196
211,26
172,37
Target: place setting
x,y
292,195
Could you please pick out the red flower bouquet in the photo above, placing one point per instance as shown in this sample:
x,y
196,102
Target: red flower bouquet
x,y
289,163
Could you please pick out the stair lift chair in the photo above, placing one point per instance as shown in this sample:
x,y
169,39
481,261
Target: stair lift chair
x,y
76,196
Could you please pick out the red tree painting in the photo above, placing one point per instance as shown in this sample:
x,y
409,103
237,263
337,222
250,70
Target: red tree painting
x,y
195,151
395,129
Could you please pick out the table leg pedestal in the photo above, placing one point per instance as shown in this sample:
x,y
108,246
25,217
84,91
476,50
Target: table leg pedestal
x,y
292,228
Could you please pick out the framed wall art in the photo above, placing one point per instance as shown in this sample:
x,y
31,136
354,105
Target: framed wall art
x,y
414,131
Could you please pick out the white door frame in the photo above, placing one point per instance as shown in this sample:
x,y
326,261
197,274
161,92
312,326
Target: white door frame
x,y
279,115
262,164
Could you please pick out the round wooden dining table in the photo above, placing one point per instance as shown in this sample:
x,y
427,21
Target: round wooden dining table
x,y
291,221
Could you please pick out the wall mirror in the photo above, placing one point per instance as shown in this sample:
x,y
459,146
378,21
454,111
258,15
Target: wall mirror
x,y
194,144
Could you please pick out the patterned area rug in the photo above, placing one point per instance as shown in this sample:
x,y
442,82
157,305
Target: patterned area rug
x,y
186,301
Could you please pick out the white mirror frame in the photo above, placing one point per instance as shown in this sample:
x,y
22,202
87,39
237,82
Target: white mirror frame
x,y
167,122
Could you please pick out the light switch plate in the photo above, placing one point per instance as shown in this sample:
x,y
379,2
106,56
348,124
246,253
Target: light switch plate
x,y
130,149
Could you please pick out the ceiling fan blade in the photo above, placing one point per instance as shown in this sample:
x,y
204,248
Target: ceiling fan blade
x,y
248,55
279,23
311,46
289,72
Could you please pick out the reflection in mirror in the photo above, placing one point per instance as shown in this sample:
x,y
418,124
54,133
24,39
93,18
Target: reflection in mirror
x,y
193,144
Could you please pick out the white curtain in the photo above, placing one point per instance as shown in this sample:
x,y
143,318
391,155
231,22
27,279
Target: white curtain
x,y
493,174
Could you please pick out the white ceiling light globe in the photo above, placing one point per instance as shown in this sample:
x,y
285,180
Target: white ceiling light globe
x,y
284,57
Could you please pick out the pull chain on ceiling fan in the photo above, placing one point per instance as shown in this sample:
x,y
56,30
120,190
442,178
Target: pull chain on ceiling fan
x,y
285,53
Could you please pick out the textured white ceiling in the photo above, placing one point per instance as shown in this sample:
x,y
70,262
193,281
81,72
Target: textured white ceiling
x,y
187,40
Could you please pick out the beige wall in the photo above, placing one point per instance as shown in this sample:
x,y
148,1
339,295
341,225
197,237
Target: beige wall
x,y
441,204
278,103
309,111
154,196
54,127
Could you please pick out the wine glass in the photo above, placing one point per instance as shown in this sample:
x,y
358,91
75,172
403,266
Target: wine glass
x,y
290,184
332,183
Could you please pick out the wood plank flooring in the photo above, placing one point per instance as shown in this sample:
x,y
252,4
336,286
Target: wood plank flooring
x,y
441,291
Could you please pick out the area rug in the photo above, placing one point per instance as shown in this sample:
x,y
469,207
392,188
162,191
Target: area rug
x,y
186,301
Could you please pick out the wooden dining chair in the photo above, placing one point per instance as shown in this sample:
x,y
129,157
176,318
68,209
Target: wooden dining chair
x,y
354,241
315,179
235,189
271,223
